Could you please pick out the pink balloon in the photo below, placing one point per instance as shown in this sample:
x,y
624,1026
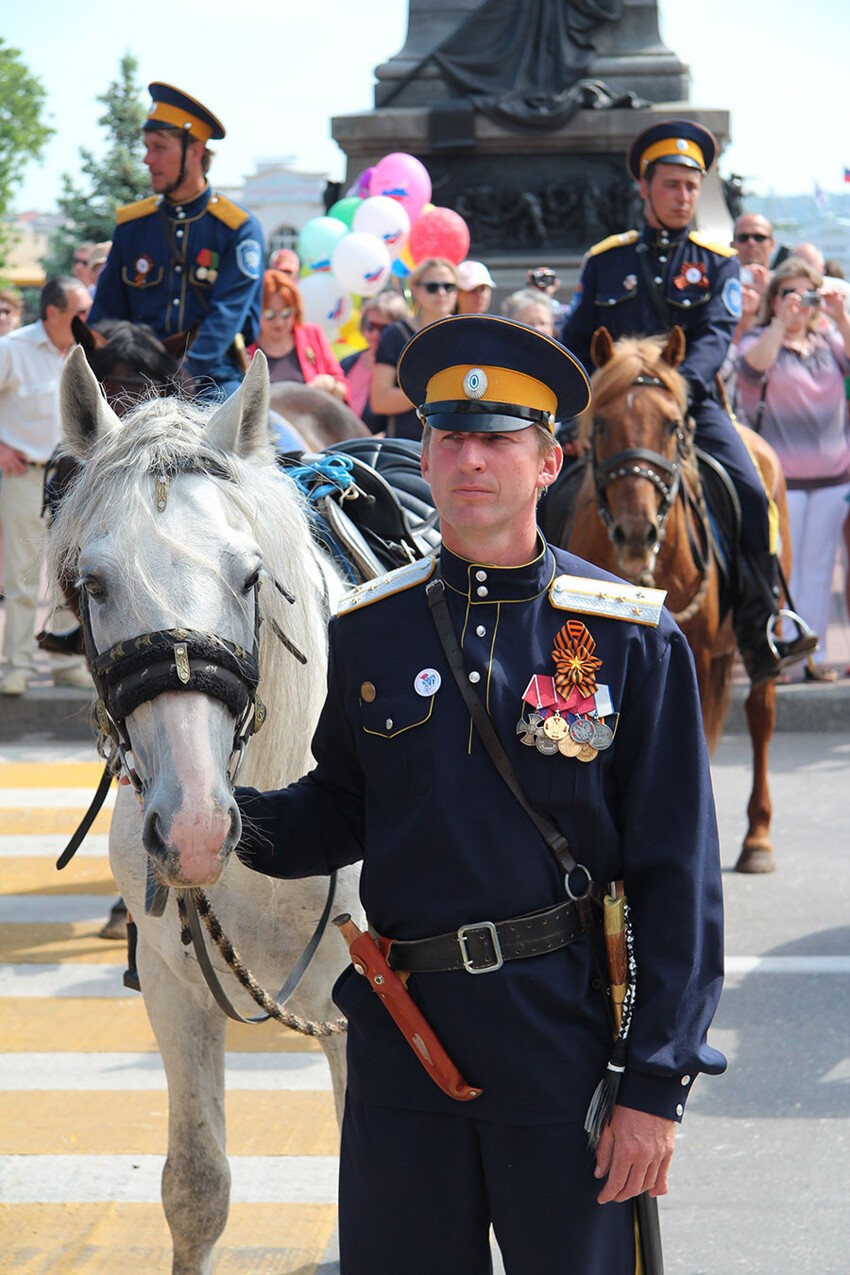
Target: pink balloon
x,y
402,177
440,232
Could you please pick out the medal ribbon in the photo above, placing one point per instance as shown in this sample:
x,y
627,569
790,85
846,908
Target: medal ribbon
x,y
575,663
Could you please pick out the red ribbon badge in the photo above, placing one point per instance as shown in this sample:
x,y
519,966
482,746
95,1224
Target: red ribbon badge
x,y
693,275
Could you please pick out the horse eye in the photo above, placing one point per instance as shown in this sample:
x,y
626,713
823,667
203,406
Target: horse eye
x,y
93,587
253,580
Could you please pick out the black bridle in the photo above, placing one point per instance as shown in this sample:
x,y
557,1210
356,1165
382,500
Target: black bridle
x,y
636,462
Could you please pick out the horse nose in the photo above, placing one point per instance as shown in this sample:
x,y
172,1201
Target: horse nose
x,y
621,536
190,846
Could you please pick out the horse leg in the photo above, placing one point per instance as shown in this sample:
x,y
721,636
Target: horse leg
x,y
196,1177
757,851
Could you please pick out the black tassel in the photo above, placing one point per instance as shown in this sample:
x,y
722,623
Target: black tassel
x,y
604,1098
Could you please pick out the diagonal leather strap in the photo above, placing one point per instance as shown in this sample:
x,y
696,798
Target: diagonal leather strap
x,y
435,592
88,818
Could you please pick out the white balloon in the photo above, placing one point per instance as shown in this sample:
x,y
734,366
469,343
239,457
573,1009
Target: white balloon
x,y
386,219
361,263
325,301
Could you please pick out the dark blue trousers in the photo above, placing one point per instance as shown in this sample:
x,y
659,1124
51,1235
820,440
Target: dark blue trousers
x,y
716,435
419,1191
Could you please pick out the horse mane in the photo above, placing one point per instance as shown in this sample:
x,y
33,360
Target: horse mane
x,y
633,357
136,345
115,494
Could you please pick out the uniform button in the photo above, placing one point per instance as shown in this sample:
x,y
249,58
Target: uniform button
x,y
686,1080
176,301
658,279
178,269
680,1110
686,303
481,575
474,677
662,258
481,631
180,213
482,591
389,723
179,232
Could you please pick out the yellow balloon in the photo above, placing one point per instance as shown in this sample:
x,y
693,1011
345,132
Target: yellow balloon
x,y
350,330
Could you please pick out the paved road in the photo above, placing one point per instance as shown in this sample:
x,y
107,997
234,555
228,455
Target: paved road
x,y
761,1175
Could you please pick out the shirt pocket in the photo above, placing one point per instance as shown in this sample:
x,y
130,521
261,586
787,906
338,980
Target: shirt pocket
x,y
610,298
397,741
38,402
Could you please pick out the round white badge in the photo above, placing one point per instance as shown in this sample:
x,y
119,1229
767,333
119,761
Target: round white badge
x,y
681,144
693,274
427,683
475,383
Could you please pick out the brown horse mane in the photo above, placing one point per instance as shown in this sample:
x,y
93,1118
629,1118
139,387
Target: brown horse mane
x,y
633,357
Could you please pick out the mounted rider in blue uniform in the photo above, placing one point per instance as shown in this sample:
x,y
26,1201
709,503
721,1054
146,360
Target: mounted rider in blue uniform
x,y
644,282
186,259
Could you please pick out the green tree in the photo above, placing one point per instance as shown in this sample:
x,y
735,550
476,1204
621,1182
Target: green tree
x,y
117,177
23,134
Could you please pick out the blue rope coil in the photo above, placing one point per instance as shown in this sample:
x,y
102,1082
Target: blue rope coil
x,y
322,477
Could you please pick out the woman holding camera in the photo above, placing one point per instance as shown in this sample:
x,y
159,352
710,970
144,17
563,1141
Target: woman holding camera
x,y
791,380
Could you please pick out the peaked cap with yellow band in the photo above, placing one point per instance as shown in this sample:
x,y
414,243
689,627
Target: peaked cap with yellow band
x,y
672,142
478,373
172,108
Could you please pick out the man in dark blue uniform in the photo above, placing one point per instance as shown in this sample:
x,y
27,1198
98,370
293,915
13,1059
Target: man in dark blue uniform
x,y
186,258
590,687
643,282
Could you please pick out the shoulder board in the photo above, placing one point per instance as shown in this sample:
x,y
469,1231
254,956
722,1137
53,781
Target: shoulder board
x,y
385,586
140,208
703,241
614,601
614,241
228,212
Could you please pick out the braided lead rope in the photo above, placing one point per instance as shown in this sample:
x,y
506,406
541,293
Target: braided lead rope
x,y
246,979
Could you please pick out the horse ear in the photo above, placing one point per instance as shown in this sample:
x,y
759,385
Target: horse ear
x,y
86,415
87,337
601,347
180,343
241,424
674,350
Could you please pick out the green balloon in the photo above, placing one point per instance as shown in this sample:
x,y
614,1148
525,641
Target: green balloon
x,y
344,209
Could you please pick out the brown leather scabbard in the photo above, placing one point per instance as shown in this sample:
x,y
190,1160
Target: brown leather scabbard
x,y
369,960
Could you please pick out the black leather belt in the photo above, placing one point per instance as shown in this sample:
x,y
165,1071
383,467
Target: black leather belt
x,y
483,946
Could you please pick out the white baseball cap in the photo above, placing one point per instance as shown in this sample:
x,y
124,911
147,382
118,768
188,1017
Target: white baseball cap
x,y
471,274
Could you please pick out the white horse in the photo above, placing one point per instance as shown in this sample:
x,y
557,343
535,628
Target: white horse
x,y
178,518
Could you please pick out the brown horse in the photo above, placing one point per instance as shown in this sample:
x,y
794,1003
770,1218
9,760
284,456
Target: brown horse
x,y
641,514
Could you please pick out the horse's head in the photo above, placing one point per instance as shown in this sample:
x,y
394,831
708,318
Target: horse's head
x,y
639,438
163,545
130,361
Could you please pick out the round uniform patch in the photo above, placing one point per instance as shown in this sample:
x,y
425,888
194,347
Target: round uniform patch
x,y
427,683
249,258
731,297
681,144
475,383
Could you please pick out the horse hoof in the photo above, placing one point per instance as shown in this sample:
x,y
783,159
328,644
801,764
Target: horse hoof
x,y
756,859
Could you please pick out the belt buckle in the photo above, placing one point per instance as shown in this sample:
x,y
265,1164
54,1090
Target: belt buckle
x,y
462,936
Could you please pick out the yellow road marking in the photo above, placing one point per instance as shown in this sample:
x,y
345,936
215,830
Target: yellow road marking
x,y
60,774
259,1122
98,1239
22,874
48,821
48,943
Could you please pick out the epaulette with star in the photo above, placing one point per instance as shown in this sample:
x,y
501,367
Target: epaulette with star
x,y
614,241
703,241
139,208
614,601
386,586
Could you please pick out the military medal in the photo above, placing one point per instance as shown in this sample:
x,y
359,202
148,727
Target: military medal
x,y
546,745
575,663
581,730
586,753
603,736
555,727
693,275
568,747
567,709
527,730
143,265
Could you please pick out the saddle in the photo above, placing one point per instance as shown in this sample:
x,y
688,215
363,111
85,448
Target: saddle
x,y
370,505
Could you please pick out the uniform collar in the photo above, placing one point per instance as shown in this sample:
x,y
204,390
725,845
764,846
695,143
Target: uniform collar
x,y
189,209
660,239
483,584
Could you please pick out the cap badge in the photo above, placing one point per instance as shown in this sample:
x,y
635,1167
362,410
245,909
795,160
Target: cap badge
x,y
681,144
475,383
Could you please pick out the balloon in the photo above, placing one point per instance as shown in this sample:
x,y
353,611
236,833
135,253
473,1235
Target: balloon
x,y
439,233
350,331
325,301
402,177
360,185
317,240
361,263
344,209
384,218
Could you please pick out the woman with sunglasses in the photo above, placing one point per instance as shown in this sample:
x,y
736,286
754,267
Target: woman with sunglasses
x,y
791,379
434,287
296,351
376,315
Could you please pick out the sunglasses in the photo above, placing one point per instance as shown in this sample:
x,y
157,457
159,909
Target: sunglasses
x,y
434,288
369,325
81,261
4,314
286,313
747,237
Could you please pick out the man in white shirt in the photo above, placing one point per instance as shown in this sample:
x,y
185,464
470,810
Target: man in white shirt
x,y
31,361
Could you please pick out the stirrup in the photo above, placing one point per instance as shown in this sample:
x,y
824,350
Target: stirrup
x,y
791,650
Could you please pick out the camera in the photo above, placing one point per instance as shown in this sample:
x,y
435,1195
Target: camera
x,y
542,278
746,276
810,298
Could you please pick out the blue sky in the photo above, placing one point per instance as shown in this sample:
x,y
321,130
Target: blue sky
x,y
275,72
